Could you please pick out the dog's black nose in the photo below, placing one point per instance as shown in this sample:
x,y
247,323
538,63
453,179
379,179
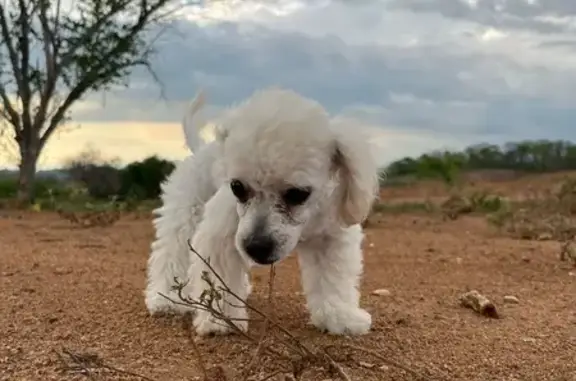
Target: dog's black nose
x,y
260,249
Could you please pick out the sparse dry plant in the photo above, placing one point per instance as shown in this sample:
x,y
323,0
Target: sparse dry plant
x,y
90,365
477,202
568,252
547,216
91,218
274,344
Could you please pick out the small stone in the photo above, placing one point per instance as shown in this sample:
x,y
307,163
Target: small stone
x,y
511,299
572,273
62,271
366,365
371,244
459,260
384,367
544,237
381,292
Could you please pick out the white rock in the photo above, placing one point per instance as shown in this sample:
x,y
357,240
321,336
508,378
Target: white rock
x,y
511,299
381,292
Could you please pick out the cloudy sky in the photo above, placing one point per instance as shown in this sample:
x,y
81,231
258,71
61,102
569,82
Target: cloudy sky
x,y
418,74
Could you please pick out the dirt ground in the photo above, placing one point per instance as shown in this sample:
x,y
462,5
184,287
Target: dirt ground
x,y
63,288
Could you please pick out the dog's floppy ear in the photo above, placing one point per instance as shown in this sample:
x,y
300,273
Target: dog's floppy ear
x,y
358,175
197,131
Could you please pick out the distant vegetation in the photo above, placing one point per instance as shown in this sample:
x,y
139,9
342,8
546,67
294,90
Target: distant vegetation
x,y
526,156
90,182
88,179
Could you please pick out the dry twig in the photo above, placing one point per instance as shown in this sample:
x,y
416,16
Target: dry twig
x,y
300,356
262,340
87,363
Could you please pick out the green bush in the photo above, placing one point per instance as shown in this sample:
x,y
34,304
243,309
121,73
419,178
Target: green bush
x,y
43,188
8,188
142,180
100,181
137,181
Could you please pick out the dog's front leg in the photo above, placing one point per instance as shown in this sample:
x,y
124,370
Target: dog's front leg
x,y
214,241
330,275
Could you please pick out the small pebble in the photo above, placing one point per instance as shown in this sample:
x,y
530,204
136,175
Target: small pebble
x,y
511,299
572,273
381,292
545,237
366,365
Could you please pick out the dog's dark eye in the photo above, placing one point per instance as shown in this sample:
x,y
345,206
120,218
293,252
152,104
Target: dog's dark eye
x,y
296,196
239,190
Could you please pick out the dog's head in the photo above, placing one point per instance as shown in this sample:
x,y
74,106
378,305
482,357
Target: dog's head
x,y
289,168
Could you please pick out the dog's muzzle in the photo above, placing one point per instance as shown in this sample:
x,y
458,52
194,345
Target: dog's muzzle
x,y
261,249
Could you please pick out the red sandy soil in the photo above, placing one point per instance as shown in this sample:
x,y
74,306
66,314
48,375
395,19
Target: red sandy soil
x,y
81,289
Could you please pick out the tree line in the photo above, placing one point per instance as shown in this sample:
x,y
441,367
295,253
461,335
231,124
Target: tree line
x,y
141,180
527,156
104,181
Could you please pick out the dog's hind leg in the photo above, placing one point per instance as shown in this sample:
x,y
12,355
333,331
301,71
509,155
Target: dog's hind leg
x,y
169,260
183,204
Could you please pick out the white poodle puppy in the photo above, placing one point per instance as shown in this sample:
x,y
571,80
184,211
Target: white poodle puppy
x,y
280,176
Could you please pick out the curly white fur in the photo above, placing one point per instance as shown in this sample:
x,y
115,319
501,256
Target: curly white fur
x,y
275,141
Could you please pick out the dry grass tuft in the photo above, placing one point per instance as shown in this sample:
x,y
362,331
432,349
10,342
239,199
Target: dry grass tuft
x,y
290,357
91,218
546,216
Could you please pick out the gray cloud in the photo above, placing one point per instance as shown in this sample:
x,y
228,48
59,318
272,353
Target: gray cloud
x,y
231,62
559,44
509,14
437,86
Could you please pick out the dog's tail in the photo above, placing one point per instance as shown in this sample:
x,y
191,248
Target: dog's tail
x,y
197,131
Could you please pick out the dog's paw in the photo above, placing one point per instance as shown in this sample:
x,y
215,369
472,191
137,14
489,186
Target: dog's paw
x,y
206,324
159,305
342,321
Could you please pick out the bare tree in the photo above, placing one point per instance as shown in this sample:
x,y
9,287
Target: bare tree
x,y
51,56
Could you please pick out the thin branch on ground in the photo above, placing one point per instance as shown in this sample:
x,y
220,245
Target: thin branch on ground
x,y
87,363
188,329
265,327
291,355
